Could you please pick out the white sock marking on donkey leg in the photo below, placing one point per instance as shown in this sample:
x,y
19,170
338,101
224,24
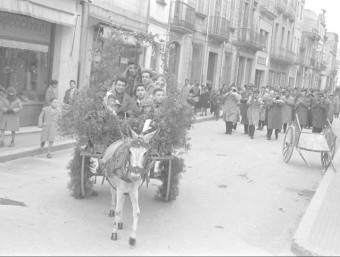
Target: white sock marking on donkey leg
x,y
113,203
136,213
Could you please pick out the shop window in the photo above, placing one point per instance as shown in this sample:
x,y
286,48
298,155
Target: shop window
x,y
25,70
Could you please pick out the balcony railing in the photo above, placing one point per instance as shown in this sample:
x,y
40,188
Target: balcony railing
x,y
250,39
267,7
219,28
282,55
183,20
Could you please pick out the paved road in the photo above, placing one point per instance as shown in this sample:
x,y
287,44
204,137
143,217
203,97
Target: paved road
x,y
236,197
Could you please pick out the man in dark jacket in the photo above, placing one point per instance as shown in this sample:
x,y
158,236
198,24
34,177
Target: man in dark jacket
x,y
69,94
128,106
320,107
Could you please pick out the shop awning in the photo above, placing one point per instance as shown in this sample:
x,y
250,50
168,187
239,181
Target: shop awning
x,y
55,11
23,45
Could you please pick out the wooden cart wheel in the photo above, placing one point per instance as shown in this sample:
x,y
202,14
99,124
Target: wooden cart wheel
x,y
325,160
327,157
288,144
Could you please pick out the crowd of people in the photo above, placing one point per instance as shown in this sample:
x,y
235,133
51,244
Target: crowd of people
x,y
138,92
274,108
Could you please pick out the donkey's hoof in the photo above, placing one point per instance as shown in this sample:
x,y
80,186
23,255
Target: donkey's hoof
x,y
112,213
120,225
132,241
114,236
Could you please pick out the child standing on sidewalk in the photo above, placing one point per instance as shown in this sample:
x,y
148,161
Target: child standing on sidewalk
x,y
10,107
48,119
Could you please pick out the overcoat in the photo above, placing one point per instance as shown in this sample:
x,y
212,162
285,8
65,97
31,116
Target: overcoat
x,y
48,116
287,110
301,109
319,110
336,104
230,107
244,108
10,122
274,114
330,114
253,112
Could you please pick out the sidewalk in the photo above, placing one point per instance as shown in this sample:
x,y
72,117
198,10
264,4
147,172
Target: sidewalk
x,y
318,233
27,142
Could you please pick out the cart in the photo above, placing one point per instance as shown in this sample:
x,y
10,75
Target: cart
x,y
324,143
98,153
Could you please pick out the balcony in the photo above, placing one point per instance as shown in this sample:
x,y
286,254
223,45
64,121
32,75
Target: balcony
x,y
219,29
183,20
289,13
281,5
251,40
312,35
283,56
267,8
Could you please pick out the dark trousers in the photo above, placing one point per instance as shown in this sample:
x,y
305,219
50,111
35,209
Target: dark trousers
x,y
316,130
284,127
245,128
270,132
229,127
251,130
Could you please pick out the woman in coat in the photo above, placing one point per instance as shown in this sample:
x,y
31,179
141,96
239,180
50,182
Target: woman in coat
x,y
48,119
253,113
287,110
230,108
274,106
9,120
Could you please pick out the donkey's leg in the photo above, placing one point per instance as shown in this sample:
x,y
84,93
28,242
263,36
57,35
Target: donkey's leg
x,y
113,202
136,212
118,213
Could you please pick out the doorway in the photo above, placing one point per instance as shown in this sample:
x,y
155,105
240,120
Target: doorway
x,y
212,68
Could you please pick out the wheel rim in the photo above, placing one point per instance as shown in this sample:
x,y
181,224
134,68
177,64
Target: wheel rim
x,y
288,144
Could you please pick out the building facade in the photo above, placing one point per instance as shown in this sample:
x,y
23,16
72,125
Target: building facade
x,y
39,41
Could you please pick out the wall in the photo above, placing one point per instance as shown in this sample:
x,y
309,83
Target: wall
x,y
65,62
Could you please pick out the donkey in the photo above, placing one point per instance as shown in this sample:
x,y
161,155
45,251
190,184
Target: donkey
x,y
126,164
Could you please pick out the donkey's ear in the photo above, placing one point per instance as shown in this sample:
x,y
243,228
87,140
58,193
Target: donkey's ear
x,y
148,137
133,134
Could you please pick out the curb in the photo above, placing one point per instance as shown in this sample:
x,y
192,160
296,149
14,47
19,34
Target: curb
x,y
300,244
34,150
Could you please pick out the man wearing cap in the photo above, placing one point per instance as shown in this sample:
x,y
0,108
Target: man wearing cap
x,y
51,92
301,108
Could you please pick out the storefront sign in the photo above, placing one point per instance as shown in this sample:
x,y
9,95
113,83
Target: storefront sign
x,y
23,28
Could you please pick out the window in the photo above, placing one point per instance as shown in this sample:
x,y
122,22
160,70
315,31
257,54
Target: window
x,y
26,71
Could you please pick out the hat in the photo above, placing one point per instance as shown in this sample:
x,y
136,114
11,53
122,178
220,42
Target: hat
x,y
147,102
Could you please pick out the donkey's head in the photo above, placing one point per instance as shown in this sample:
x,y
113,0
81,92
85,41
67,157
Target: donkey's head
x,y
140,154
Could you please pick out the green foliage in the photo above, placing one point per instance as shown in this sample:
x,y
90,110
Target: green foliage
x,y
177,167
74,167
88,121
